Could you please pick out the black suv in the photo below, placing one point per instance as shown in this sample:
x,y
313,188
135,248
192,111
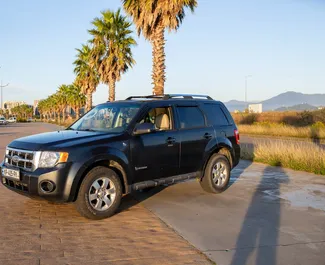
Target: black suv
x,y
127,145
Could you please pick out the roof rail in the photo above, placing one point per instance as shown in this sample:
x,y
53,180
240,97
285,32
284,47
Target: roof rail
x,y
144,97
171,96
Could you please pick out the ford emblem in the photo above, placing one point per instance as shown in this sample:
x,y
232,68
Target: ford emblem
x,y
15,159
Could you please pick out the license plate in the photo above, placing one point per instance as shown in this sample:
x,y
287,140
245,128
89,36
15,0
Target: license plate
x,y
11,173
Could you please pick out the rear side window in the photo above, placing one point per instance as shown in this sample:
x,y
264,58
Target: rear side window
x,y
190,117
215,115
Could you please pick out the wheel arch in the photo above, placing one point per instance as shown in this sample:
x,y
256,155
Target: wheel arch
x,y
221,148
111,162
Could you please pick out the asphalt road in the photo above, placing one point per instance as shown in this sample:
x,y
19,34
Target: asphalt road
x,y
267,216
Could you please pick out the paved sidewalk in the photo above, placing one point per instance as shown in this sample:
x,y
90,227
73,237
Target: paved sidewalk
x,y
33,232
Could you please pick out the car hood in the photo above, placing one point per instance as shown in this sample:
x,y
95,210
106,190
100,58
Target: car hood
x,y
58,140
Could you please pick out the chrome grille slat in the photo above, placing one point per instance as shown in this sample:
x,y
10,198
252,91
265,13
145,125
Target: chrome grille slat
x,y
25,158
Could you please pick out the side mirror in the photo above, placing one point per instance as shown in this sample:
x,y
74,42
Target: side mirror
x,y
142,128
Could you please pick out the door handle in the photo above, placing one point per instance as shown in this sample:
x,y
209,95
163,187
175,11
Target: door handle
x,y
207,136
171,140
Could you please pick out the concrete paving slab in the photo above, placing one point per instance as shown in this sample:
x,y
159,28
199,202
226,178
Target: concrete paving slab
x,y
267,216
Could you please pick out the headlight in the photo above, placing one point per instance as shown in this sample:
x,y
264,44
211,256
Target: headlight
x,y
50,159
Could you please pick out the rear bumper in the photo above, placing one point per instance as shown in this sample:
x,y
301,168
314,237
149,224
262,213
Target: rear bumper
x,y
29,183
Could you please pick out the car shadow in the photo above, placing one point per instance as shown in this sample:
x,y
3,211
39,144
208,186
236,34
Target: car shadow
x,y
247,151
136,197
260,229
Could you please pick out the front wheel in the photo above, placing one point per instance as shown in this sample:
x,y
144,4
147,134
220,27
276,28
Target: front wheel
x,y
216,175
100,194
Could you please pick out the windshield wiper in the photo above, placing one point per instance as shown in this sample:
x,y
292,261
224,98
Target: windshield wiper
x,y
87,130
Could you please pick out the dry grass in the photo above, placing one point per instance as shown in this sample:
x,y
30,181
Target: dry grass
x,y
293,118
283,130
297,156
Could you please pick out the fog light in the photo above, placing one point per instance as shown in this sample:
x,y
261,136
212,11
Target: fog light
x,y
47,186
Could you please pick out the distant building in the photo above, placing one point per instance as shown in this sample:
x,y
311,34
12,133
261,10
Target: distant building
x,y
35,107
255,108
8,105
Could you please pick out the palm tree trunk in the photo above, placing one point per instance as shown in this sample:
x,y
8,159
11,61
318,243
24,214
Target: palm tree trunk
x,y
77,112
63,115
89,101
111,89
158,68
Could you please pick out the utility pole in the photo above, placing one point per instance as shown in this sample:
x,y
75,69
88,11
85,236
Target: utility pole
x,y
247,76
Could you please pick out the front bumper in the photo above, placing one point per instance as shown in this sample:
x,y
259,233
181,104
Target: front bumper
x,y
29,183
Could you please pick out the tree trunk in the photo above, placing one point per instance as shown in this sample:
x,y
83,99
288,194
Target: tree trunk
x,y
158,67
63,115
77,113
89,101
111,90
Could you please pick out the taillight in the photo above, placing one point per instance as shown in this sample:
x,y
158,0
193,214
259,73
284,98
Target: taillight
x,y
237,136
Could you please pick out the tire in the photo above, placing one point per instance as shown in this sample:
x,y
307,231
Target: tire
x,y
100,194
212,180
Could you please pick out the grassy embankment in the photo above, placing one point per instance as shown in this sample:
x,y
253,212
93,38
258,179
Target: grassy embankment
x,y
279,130
290,154
287,154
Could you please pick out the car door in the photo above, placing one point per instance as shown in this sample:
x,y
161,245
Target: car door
x,y
195,137
156,154
217,118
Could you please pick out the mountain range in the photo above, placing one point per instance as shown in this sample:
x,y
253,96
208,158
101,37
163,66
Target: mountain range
x,y
289,100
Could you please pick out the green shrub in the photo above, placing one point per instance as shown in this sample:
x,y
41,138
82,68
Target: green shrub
x,y
268,124
21,120
318,125
249,119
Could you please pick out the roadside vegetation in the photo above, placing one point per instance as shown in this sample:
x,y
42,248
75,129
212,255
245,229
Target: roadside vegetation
x,y
296,156
22,113
306,124
316,131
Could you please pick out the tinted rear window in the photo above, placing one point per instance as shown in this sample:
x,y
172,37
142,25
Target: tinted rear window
x,y
215,115
190,117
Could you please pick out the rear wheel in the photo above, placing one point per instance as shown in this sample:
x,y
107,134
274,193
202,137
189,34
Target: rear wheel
x,y
100,194
216,175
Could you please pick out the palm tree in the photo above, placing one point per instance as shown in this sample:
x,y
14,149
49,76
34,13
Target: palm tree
x,y
53,107
75,98
152,17
61,100
42,108
112,40
87,78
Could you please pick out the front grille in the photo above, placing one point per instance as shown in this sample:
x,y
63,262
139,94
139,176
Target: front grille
x,y
15,184
19,158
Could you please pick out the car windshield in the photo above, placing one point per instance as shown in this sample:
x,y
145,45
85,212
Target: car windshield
x,y
107,118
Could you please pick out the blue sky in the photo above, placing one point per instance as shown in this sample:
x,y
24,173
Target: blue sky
x,y
281,43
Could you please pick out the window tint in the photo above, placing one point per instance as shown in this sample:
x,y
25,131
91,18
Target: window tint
x,y
190,117
214,114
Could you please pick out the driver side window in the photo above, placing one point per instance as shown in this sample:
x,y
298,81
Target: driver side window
x,y
160,117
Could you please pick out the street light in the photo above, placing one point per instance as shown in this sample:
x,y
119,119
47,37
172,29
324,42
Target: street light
x,y
247,76
2,86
